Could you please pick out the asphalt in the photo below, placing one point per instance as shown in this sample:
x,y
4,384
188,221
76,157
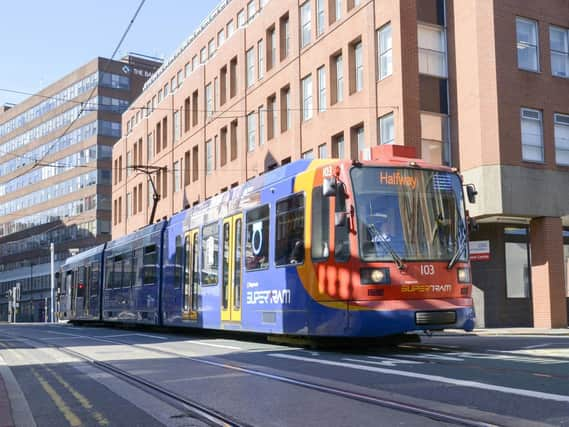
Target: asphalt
x,y
7,411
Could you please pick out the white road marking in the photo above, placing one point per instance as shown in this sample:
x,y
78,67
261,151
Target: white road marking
x,y
230,347
536,346
434,378
385,362
517,357
134,335
430,357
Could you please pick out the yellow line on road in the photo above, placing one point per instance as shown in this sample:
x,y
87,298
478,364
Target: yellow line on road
x,y
69,415
100,418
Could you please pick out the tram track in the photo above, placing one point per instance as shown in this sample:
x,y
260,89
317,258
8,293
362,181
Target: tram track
x,y
216,418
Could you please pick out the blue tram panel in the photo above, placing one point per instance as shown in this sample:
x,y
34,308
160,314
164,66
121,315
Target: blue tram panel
x,y
273,256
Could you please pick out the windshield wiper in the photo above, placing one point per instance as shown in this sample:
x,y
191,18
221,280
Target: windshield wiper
x,y
459,250
376,234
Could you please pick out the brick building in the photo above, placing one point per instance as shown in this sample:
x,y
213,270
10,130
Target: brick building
x,y
481,85
55,173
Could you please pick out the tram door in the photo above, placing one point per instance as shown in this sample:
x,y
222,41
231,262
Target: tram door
x,y
191,276
231,285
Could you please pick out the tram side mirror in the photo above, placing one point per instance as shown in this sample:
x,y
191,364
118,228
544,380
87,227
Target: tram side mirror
x,y
329,187
471,193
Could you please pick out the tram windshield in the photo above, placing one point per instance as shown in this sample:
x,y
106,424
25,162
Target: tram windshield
x,y
409,214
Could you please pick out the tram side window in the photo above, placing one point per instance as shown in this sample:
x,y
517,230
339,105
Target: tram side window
x,y
81,282
320,225
109,269
210,254
68,282
117,272
257,243
127,270
290,231
138,266
178,262
95,271
150,259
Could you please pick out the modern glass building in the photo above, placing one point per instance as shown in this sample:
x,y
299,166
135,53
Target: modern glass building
x,y
55,173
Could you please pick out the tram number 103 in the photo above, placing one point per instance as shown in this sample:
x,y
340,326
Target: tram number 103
x,y
427,269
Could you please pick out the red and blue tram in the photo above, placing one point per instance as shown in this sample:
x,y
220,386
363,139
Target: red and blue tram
x,y
315,248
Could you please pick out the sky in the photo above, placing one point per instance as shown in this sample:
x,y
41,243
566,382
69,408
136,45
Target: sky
x,y
42,41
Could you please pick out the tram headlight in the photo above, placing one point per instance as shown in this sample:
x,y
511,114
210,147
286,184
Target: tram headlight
x,y
463,275
374,276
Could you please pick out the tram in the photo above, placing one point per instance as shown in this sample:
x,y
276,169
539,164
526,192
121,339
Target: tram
x,y
320,248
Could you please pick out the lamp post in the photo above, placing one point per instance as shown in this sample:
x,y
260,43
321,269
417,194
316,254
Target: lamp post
x,y
52,283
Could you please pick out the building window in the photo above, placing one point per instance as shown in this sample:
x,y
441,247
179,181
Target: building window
x,y
385,60
527,43
177,174
251,9
261,114
358,68
211,48
209,157
432,51
532,135
187,114
220,37
386,129
194,62
241,19
150,146
233,140
321,89
308,155
203,55
285,36
434,138
195,108
360,139
251,128
233,77
260,58
322,151
223,146
208,101
176,126
285,109
305,23
230,28
335,10
319,17
307,98
561,122
338,149
128,163
250,67
559,45
272,119
339,77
